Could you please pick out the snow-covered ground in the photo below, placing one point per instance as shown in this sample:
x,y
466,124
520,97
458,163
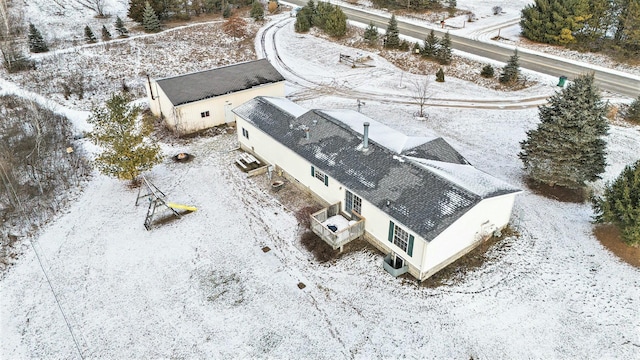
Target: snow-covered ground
x,y
96,282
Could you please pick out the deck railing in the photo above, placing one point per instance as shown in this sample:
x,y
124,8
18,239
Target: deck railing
x,y
339,238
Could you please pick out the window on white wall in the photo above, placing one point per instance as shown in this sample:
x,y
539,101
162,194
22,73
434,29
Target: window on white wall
x,y
245,133
352,202
320,176
204,114
401,238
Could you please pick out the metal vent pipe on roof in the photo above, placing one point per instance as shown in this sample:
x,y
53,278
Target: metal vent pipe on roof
x,y
365,141
306,133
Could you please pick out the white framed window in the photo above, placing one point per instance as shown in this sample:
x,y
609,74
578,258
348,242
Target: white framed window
x,y
245,133
320,176
352,202
204,114
401,238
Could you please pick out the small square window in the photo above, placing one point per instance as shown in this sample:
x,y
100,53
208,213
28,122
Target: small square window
x,y
204,114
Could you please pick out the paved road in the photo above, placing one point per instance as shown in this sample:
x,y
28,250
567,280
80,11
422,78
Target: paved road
x,y
614,81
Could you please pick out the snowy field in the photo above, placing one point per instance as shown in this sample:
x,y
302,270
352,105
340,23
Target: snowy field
x,y
201,287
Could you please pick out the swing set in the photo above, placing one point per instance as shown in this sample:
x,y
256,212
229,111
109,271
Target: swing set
x,y
157,200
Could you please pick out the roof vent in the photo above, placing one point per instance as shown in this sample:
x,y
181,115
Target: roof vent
x,y
365,141
306,133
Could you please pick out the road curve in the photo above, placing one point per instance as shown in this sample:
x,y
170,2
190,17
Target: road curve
x,y
267,47
614,81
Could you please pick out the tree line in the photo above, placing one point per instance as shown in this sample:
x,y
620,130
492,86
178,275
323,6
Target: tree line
x,y
593,25
183,9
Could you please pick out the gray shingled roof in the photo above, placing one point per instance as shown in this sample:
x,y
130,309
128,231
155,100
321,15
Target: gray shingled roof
x,y
184,89
425,201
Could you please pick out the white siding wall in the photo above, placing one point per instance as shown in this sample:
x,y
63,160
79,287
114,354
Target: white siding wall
x,y
187,118
377,221
160,105
464,232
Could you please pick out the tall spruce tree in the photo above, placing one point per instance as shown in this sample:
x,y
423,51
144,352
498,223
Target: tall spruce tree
x,y
150,21
117,129
392,37
89,36
106,35
36,42
431,44
511,71
120,28
443,53
620,204
371,34
567,149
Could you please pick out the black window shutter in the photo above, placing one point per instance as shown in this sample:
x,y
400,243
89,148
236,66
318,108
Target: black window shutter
x,y
410,246
313,171
391,230
326,180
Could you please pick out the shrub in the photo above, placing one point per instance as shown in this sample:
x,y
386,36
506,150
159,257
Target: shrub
x,y
440,75
620,204
487,71
632,113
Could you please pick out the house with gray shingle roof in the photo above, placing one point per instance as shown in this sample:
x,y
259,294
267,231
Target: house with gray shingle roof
x,y
414,197
200,100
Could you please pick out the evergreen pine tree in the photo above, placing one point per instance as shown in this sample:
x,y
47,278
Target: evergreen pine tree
x,y
257,11
336,23
487,71
120,28
391,38
416,48
567,149
321,14
620,204
630,34
36,42
440,75
89,36
106,35
127,151
303,20
511,71
632,113
150,20
136,10
443,54
554,21
162,8
371,34
431,44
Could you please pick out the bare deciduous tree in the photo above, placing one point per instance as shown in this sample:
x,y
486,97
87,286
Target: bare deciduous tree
x,y
95,5
421,94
